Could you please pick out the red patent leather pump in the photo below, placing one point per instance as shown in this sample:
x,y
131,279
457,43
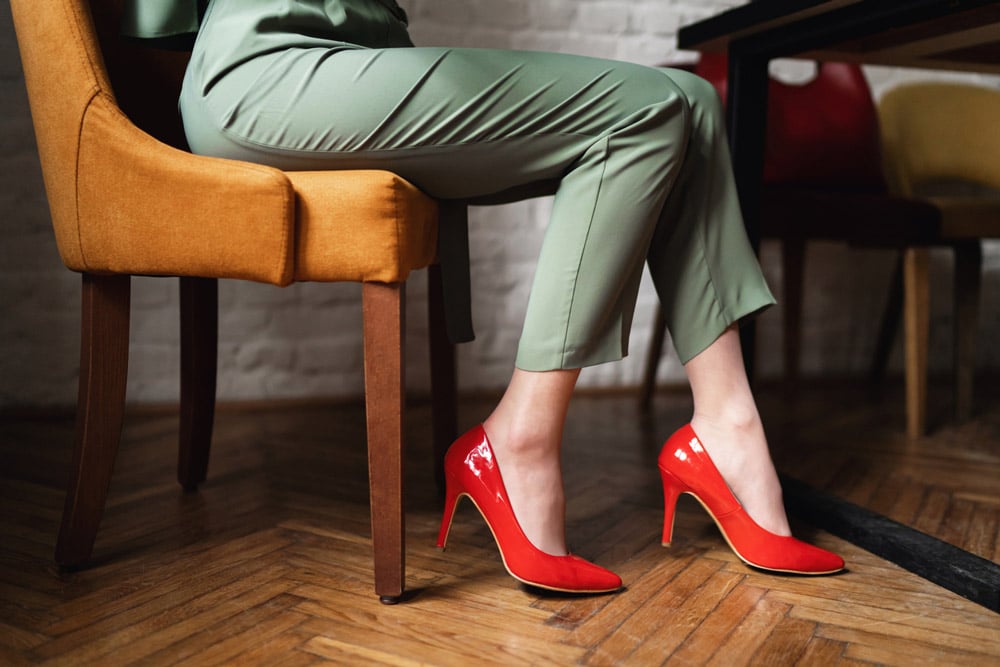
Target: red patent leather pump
x,y
471,471
686,467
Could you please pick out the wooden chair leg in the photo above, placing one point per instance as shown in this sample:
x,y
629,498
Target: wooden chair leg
x,y
653,356
199,359
968,267
384,323
793,261
100,412
916,317
444,393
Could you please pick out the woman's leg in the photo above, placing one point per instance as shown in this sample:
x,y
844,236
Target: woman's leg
x,y
703,267
708,278
525,430
526,427
462,123
729,426
466,123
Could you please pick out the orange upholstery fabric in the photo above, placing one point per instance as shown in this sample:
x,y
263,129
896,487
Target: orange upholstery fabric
x,y
59,96
361,226
146,208
124,202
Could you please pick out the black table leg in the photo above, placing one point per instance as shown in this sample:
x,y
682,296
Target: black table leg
x,y
747,122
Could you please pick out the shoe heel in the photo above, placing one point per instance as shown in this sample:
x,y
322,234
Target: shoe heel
x,y
672,490
450,502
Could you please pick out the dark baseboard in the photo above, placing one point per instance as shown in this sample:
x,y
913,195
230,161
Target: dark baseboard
x,y
959,571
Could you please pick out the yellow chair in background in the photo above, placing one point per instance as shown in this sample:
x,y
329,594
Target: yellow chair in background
x,y
126,199
941,145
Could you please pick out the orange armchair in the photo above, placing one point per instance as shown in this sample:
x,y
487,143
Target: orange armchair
x,y
126,199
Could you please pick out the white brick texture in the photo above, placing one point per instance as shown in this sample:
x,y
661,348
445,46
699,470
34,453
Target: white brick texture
x,y
305,340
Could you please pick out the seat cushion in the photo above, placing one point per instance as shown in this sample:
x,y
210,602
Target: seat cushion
x,y
364,226
147,208
859,218
969,217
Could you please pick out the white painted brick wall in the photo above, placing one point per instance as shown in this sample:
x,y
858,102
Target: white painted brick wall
x,y
305,340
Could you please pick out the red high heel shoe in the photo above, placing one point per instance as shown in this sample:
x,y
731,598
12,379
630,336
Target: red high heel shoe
x,y
686,467
471,471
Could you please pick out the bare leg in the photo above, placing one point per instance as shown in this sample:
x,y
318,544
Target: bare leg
x,y
525,431
729,426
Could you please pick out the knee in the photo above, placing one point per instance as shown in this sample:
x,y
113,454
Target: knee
x,y
708,118
701,95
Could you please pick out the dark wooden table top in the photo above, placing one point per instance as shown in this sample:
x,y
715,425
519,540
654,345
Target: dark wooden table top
x,y
939,34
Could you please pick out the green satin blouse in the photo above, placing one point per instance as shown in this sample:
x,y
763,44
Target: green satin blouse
x,y
152,19
363,22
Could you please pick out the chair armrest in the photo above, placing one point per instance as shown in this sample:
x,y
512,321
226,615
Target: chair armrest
x,y
361,226
146,208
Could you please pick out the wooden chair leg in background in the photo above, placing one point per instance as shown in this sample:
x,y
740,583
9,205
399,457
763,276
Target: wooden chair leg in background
x,y
916,308
653,356
968,268
384,325
100,411
444,377
199,360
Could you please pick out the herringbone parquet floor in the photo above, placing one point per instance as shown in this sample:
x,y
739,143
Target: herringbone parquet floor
x,y
269,563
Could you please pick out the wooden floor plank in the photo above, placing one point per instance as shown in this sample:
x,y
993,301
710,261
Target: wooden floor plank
x,y
17,638
284,650
887,604
270,562
182,581
686,618
786,644
25,608
615,611
874,646
957,521
740,645
920,629
135,641
908,502
447,640
344,652
14,658
653,623
699,647
229,640
821,651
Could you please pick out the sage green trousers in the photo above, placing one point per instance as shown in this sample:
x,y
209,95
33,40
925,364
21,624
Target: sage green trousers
x,y
639,154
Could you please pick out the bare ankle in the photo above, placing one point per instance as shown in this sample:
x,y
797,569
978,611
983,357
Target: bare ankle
x,y
519,439
736,419
738,447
